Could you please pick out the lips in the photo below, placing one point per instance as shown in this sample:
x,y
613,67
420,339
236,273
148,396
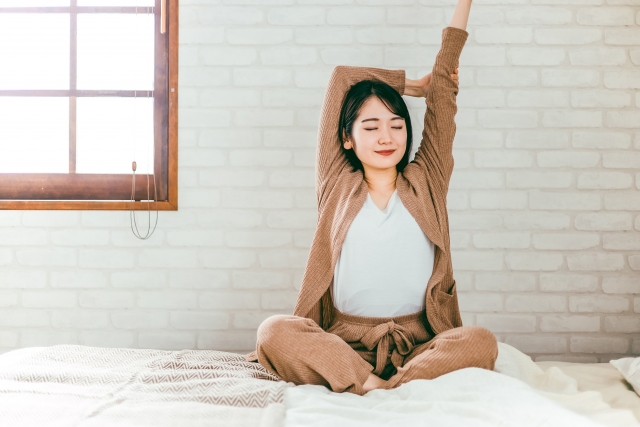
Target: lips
x,y
385,152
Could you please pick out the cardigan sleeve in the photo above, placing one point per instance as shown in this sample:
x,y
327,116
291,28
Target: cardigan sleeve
x,y
330,160
434,159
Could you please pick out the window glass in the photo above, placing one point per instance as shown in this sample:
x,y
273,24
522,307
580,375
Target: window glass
x,y
33,3
116,2
113,132
115,51
34,135
34,50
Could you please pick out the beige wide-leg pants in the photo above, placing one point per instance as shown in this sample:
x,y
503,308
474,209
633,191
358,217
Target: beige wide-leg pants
x,y
398,349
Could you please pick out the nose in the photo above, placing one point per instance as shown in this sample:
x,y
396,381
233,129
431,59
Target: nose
x,y
385,135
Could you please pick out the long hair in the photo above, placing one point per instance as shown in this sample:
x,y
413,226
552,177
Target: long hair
x,y
353,101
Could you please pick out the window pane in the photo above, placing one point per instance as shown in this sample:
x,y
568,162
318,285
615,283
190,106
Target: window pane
x,y
115,51
34,135
113,132
33,3
115,2
35,51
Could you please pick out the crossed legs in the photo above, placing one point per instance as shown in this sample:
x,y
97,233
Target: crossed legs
x,y
298,350
448,351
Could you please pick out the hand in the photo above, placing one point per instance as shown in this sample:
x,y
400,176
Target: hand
x,y
419,88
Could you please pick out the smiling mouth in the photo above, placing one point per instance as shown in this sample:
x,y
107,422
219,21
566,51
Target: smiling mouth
x,y
385,152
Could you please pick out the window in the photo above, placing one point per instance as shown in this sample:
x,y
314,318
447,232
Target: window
x,y
86,88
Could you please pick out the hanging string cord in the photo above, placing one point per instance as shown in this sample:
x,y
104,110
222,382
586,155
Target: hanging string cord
x,y
132,216
133,222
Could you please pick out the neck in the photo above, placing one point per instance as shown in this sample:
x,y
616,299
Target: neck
x,y
380,180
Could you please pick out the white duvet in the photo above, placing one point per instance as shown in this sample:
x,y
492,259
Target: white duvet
x,y
518,393
470,397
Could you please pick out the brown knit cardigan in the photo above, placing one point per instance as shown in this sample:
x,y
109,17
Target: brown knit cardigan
x,y
422,188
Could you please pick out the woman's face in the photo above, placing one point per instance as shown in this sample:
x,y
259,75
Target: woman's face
x,y
380,136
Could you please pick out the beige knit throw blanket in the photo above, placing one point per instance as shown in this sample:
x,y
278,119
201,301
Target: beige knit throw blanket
x,y
70,385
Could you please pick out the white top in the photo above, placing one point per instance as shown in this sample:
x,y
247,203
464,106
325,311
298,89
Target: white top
x,y
385,263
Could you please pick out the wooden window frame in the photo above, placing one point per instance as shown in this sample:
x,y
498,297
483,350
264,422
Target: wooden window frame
x,y
57,191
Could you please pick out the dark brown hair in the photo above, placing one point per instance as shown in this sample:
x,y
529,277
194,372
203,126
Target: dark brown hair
x,y
357,95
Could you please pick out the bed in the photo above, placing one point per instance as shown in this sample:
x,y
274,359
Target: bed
x,y
85,386
603,378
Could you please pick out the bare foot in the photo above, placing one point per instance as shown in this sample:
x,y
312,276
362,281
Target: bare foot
x,y
373,382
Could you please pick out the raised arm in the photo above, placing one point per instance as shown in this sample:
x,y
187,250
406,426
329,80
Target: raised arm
x,y
330,160
461,14
434,158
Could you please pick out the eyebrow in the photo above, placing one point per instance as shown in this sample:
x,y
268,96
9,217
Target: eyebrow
x,y
375,119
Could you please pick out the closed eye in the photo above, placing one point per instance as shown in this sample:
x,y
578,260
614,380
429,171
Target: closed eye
x,y
377,128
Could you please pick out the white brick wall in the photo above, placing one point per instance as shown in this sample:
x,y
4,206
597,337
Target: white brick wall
x,y
544,200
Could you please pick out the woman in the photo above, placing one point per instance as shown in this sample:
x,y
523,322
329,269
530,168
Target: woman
x,y
378,304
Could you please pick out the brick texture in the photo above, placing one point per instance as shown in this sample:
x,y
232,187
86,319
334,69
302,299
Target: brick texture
x,y
544,199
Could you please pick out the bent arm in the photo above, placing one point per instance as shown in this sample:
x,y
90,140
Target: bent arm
x,y
434,156
330,160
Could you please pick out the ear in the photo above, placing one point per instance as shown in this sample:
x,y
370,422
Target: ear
x,y
347,142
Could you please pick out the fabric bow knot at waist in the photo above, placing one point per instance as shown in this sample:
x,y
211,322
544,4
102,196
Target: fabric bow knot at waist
x,y
380,335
